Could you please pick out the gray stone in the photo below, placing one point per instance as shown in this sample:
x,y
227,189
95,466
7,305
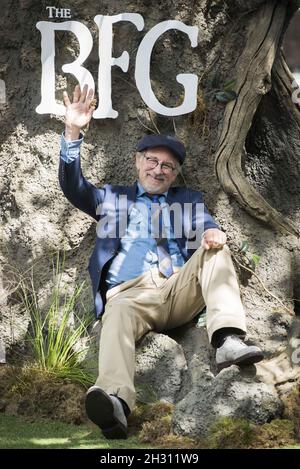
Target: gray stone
x,y
160,363
231,393
90,350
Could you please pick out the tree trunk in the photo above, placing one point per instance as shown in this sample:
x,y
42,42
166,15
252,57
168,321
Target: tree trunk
x,y
254,80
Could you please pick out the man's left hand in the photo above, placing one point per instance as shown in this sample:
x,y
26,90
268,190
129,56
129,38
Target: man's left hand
x,y
213,238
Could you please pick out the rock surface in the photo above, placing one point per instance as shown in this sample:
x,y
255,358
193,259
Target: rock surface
x,y
37,220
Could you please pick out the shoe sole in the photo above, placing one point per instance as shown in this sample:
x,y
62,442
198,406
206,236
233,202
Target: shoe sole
x,y
100,411
246,360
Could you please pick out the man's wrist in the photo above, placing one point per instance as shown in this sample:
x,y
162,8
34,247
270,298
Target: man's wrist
x,y
72,133
70,150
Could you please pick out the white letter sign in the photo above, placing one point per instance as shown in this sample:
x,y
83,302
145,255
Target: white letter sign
x,y
142,70
48,104
106,61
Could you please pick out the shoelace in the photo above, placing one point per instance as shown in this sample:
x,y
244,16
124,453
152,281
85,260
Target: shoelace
x,y
236,338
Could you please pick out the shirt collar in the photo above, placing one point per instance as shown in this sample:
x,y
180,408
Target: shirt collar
x,y
140,191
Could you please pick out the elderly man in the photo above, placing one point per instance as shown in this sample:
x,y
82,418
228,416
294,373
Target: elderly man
x,y
155,273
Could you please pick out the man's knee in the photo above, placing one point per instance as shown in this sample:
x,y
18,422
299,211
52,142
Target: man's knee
x,y
116,311
120,315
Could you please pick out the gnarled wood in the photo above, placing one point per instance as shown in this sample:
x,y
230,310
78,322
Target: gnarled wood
x,y
253,81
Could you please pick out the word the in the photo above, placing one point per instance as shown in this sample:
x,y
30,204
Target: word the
x,y
59,12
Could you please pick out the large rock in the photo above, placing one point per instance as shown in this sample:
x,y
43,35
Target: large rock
x,y
160,363
227,394
207,395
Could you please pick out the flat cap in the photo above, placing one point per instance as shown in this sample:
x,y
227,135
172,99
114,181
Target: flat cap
x,y
168,141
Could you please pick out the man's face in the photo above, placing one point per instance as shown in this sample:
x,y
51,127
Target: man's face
x,y
157,168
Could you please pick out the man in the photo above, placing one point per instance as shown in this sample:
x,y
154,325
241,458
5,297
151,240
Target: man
x,y
148,282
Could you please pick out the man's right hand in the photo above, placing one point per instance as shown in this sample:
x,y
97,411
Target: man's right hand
x,y
79,112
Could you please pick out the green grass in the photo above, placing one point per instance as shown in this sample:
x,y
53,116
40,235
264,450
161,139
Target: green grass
x,y
292,447
19,433
54,335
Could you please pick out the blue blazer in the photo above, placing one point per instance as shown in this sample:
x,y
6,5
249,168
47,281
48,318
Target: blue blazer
x,y
94,201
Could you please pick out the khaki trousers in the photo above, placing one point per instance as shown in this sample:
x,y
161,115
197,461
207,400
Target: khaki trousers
x,y
153,302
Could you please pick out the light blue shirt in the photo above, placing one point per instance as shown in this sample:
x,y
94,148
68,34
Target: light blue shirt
x,y
70,150
138,249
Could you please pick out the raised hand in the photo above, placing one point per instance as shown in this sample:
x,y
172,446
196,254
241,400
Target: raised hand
x,y
79,112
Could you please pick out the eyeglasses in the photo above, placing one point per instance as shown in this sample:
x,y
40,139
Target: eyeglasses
x,y
166,168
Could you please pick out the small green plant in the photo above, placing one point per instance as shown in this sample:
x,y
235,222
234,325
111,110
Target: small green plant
x,y
252,258
53,337
227,93
145,393
222,92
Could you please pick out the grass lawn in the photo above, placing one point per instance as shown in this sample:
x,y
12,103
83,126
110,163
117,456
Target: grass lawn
x,y
18,433
292,447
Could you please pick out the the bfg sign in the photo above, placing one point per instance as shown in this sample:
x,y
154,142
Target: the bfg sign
x,y
105,24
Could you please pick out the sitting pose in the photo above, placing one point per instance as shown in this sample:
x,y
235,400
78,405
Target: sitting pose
x,y
156,271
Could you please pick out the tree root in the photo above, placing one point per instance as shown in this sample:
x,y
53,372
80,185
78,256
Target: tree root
x,y
253,81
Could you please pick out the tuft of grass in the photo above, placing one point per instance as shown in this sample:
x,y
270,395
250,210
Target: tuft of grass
x,y
277,433
148,412
35,393
154,426
230,433
155,429
292,410
145,393
53,338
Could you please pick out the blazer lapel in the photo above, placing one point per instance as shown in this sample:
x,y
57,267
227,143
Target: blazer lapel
x,y
126,198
